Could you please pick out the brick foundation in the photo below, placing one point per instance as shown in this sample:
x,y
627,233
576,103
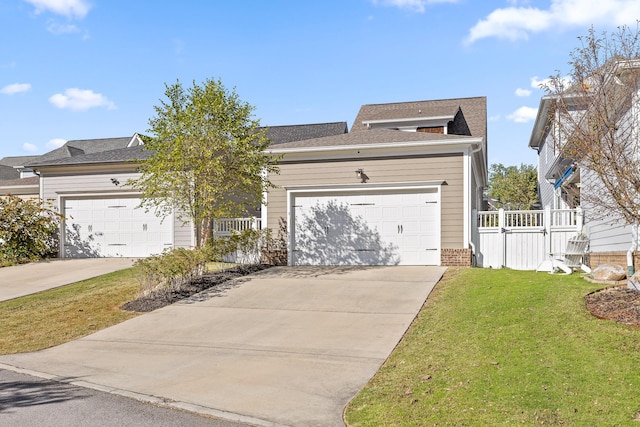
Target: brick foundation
x,y
455,257
594,259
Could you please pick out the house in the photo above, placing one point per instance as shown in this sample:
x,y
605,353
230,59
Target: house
x,y
565,184
84,180
17,179
398,189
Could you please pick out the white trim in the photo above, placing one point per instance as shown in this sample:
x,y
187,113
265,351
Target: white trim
x,y
295,191
466,205
393,145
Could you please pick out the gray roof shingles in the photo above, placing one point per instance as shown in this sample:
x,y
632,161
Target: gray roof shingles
x,y
81,147
474,113
284,134
121,155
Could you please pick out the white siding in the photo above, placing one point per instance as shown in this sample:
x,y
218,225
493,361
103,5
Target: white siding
x,y
546,157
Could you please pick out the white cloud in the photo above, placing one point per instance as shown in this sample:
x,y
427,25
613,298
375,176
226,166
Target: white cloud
x,y
31,148
69,8
515,23
15,88
79,100
544,83
56,143
412,5
523,92
523,115
494,118
56,28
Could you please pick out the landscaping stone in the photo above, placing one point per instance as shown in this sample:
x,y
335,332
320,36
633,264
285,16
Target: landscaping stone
x,y
609,272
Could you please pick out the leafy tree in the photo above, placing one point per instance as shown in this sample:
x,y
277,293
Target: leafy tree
x,y
595,122
207,156
513,187
27,230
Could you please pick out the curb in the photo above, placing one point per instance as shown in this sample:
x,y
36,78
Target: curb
x,y
147,398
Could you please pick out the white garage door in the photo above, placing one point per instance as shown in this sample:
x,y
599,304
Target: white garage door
x,y
381,228
113,227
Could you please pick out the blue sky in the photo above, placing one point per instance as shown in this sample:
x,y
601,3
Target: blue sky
x,y
80,69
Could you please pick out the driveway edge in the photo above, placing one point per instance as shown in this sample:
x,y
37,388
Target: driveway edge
x,y
147,398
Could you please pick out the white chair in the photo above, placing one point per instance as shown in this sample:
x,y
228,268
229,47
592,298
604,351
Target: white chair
x,y
571,259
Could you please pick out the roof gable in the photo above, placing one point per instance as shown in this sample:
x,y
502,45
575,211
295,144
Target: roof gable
x,y
469,115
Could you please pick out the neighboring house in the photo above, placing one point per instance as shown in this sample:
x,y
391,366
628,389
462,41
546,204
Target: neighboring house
x,y
17,179
84,180
398,189
561,182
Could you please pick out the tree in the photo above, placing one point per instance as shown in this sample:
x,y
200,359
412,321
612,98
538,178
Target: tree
x,y
27,230
595,121
207,158
513,187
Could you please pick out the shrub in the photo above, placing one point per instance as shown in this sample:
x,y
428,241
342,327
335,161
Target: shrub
x,y
168,271
243,247
28,230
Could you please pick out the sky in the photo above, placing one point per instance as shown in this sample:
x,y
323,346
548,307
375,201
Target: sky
x,y
83,69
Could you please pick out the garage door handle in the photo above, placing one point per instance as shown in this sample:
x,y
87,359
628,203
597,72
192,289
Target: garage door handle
x,y
400,229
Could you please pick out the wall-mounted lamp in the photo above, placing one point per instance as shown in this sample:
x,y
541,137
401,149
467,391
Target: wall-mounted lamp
x,y
115,181
361,175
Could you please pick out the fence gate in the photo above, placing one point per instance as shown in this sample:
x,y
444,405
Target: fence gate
x,y
522,240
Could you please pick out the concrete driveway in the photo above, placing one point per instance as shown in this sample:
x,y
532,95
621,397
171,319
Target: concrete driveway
x,y
287,346
28,279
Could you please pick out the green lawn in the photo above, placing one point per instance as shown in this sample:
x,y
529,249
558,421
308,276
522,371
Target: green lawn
x,y
52,317
502,347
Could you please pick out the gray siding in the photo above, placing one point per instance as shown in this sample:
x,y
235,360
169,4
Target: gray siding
x,y
435,168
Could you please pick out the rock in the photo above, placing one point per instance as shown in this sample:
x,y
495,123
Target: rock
x,y
634,282
609,272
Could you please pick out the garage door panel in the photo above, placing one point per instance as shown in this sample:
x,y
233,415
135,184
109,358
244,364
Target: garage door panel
x,y
373,228
113,227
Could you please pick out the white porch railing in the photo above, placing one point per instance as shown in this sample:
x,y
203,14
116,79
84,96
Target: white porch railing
x,y
522,240
224,227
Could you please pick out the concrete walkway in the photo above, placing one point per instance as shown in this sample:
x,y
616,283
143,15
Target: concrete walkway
x,y
28,279
288,346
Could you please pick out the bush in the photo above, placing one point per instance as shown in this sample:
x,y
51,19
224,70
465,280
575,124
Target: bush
x,y
168,271
28,230
243,247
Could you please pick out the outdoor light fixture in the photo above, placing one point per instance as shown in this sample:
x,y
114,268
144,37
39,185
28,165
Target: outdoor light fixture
x,y
361,175
115,181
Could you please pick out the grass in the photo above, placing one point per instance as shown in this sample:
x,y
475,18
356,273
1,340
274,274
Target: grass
x,y
53,317
503,347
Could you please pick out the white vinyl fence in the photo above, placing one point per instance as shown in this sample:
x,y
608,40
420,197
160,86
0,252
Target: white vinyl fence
x,y
522,240
227,226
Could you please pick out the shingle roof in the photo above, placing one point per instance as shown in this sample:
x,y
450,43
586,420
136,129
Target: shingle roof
x,y
473,121
474,111
120,155
290,133
8,172
17,160
81,147
32,180
374,136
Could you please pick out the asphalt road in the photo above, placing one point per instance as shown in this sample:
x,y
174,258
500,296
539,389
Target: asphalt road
x,y
28,401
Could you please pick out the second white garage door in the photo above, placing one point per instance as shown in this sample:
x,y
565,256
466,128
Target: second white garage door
x,y
113,227
375,228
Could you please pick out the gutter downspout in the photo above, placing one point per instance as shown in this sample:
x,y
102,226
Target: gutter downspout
x,y
632,249
474,259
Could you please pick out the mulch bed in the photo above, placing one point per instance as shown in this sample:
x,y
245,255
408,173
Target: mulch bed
x,y
209,280
615,303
